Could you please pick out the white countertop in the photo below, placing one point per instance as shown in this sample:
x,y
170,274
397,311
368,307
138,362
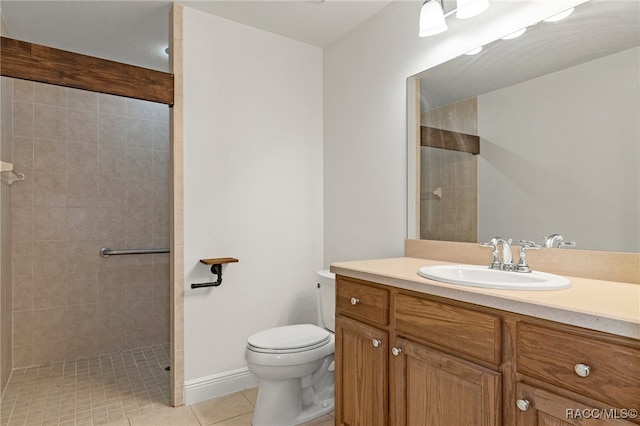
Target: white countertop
x,y
607,306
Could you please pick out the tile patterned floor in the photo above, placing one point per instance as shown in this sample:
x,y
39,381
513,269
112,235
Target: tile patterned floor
x,y
90,391
129,388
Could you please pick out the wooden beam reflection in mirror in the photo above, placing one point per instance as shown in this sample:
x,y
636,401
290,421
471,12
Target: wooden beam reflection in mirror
x,y
445,139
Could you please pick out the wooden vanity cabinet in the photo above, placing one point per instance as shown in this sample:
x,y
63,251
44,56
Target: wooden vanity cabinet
x,y
544,408
575,376
377,363
436,389
362,354
409,359
362,357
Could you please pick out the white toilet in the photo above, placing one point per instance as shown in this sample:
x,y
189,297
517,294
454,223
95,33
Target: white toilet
x,y
294,365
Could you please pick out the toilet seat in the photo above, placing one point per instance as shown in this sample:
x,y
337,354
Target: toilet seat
x,y
289,339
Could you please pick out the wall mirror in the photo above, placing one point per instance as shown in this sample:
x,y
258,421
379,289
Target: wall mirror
x,y
556,114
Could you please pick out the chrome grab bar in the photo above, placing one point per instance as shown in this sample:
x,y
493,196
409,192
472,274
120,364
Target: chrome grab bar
x,y
106,252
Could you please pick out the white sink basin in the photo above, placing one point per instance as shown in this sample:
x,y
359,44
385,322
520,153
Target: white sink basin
x,y
482,276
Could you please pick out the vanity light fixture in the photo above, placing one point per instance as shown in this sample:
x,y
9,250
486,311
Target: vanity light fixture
x,y
432,16
560,16
432,19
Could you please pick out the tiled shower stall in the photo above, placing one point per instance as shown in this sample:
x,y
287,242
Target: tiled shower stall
x,y
96,175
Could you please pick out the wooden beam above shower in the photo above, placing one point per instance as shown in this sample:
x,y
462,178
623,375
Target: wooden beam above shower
x,y
445,139
34,62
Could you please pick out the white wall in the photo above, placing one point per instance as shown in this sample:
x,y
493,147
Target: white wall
x,y
253,188
572,144
365,152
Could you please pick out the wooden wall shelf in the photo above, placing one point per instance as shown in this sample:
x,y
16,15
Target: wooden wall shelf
x,y
216,269
445,139
218,260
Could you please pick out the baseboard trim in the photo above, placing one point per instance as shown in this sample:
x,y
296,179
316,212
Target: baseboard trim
x,y
209,387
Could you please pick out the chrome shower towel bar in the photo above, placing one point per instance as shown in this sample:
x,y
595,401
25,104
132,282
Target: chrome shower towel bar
x,y
106,252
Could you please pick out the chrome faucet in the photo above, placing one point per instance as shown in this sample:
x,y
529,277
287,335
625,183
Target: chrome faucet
x,y
556,240
507,256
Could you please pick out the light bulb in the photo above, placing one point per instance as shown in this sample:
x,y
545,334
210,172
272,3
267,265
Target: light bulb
x,y
431,19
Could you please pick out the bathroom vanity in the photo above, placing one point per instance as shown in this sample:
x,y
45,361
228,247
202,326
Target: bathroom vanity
x,y
412,351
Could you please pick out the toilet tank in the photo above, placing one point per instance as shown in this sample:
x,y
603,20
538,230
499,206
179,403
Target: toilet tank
x,y
327,299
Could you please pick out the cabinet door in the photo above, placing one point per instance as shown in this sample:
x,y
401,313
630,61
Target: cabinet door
x,y
537,407
436,389
361,374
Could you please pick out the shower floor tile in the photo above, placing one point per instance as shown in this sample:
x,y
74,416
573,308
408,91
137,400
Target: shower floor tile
x,y
90,391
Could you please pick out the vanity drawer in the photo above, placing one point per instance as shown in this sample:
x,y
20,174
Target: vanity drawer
x,y
555,357
464,330
358,300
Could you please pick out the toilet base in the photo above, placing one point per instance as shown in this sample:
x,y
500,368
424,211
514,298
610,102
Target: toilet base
x,y
281,404
324,404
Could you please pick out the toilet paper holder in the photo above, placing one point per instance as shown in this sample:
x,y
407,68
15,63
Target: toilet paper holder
x,y
216,269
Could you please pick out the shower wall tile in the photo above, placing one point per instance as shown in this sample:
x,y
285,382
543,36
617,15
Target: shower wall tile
x,y
23,153
140,163
49,257
82,126
97,175
112,160
22,195
49,122
82,158
49,325
139,133
112,130
21,223
140,193
22,294
110,104
49,156
161,137
22,90
112,192
82,100
82,190
22,328
81,319
82,288
49,94
22,261
81,256
81,222
22,119
49,223
49,189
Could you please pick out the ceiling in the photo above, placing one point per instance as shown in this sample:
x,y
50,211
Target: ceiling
x,y
137,32
595,29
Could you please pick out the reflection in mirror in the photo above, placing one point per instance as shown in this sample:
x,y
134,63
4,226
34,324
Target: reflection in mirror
x,y
557,113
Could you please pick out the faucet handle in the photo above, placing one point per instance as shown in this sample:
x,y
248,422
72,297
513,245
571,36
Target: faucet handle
x,y
567,244
493,243
526,244
522,262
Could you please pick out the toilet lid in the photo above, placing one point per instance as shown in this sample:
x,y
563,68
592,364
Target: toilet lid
x,y
290,338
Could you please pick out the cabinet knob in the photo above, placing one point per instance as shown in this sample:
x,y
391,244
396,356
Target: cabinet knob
x,y
396,351
522,404
376,343
355,301
581,370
